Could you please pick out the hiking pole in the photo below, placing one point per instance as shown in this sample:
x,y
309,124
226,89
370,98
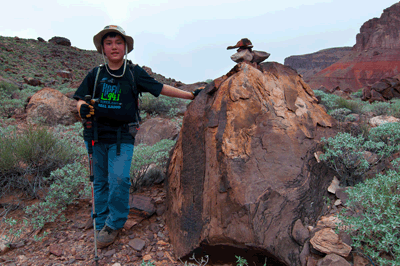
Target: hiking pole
x,y
88,123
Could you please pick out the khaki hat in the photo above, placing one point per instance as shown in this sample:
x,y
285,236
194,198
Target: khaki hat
x,y
112,28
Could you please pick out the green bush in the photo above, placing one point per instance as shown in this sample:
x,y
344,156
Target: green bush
x,y
144,156
69,183
160,105
344,153
29,156
8,106
377,108
394,108
372,217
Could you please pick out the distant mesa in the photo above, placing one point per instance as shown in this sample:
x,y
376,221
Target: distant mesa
x,y
376,55
246,54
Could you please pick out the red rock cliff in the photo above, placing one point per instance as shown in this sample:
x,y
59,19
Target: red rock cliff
x,y
375,55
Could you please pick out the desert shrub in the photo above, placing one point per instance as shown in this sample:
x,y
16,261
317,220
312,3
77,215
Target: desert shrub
x,y
377,108
8,106
159,105
372,217
344,154
395,108
68,185
330,101
339,114
386,137
144,156
355,106
358,94
29,156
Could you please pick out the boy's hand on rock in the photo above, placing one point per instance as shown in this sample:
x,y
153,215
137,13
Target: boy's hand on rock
x,y
196,92
86,110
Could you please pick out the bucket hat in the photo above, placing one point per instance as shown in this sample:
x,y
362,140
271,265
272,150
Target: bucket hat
x,y
112,28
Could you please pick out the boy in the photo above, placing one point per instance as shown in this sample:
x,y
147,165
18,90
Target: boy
x,y
116,91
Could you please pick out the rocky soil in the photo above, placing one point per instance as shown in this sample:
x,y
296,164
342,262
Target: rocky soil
x,y
70,242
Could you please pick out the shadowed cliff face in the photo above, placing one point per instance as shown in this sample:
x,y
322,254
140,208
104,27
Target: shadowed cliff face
x,y
242,172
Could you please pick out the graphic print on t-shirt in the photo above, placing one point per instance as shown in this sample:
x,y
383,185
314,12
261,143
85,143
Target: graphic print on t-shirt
x,y
110,94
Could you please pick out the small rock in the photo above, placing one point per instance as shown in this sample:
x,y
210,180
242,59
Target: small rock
x,y
328,242
334,185
333,260
147,257
137,244
299,232
117,264
55,250
3,247
110,253
129,224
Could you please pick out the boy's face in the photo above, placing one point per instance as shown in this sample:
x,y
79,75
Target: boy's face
x,y
114,48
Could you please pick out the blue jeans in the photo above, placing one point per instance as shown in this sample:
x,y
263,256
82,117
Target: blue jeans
x,y
111,184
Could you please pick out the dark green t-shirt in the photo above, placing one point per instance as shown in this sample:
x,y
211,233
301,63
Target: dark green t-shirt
x,y
116,99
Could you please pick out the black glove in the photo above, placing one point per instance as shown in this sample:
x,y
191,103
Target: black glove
x,y
196,92
86,111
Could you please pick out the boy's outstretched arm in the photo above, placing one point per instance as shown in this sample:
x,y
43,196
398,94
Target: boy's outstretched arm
x,y
170,91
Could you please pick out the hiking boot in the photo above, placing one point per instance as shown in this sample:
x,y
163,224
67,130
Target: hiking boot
x,y
106,237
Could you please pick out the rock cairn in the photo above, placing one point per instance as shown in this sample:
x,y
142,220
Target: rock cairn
x,y
246,54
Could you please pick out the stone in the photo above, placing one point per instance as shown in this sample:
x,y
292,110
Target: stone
x,y
156,129
60,41
53,106
381,119
142,204
4,248
229,180
334,185
137,244
110,253
328,242
333,260
300,233
259,56
56,250
244,55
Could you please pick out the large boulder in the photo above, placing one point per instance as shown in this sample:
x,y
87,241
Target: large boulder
x,y
156,129
53,107
243,172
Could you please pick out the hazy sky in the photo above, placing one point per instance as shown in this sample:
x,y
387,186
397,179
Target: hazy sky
x,y
187,40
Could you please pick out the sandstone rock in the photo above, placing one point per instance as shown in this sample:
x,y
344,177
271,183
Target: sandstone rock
x,y
156,129
300,233
379,120
53,106
143,204
56,250
380,32
333,260
328,242
3,246
259,56
239,174
334,185
33,82
244,55
60,41
64,74
137,244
